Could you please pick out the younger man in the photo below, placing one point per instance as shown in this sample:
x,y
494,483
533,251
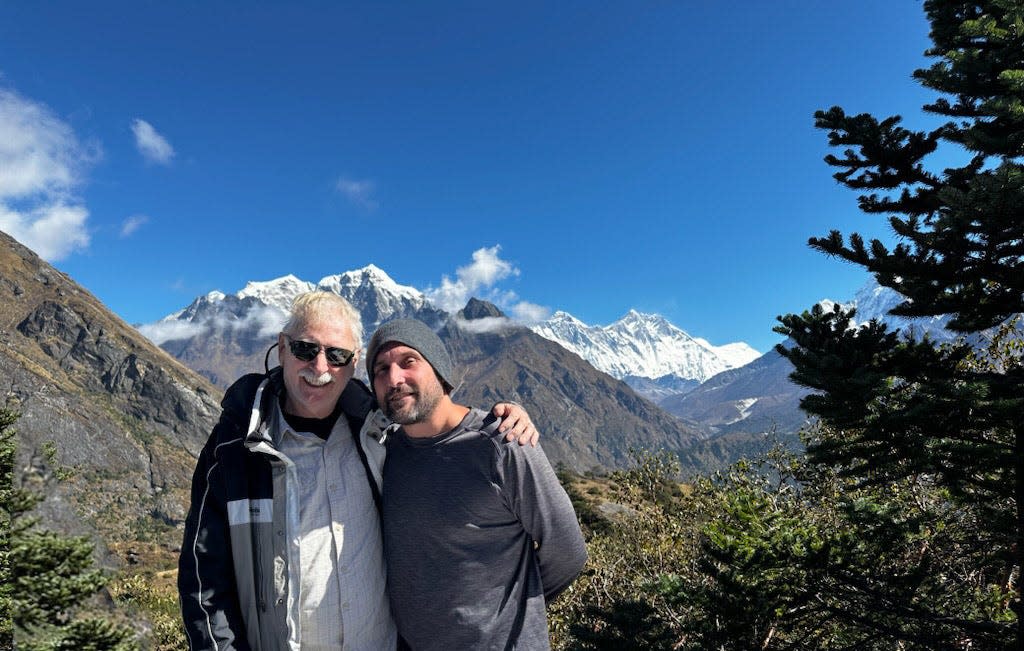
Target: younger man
x,y
478,534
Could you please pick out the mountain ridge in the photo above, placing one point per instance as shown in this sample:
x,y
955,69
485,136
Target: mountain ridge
x,y
124,419
624,349
232,334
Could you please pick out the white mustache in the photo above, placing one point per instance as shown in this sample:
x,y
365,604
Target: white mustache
x,y
314,379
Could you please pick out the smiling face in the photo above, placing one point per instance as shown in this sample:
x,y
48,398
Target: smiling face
x,y
313,387
406,386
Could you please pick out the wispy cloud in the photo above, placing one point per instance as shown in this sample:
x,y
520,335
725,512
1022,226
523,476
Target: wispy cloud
x,y
359,192
133,224
42,163
486,324
268,321
163,331
153,146
530,313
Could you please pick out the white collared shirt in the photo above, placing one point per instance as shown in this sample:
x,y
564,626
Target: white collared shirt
x,y
341,582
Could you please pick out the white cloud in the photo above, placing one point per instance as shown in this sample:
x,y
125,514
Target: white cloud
x,y
358,192
486,324
486,269
530,313
151,144
53,231
164,331
132,224
42,163
268,321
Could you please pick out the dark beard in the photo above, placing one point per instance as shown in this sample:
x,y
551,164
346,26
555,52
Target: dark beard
x,y
419,411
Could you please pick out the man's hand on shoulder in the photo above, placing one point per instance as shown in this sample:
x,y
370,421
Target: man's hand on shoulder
x,y
516,423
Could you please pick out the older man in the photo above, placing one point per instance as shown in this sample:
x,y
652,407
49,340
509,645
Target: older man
x,y
479,535
282,545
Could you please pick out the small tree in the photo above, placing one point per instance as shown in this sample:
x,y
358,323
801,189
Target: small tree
x,y
45,575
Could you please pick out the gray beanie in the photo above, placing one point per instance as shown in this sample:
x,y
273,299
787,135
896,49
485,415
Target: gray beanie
x,y
414,334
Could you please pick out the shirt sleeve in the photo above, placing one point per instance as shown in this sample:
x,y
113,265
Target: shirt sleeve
x,y
546,513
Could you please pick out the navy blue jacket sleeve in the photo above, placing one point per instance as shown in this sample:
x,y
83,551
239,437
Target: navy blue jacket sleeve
x,y
206,580
207,586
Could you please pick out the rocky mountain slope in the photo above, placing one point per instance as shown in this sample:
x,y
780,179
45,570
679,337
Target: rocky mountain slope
x,y
110,424
753,399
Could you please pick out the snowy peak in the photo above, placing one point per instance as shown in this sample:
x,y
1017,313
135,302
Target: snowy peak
x,y
737,354
643,345
873,301
369,277
651,328
372,292
639,345
278,293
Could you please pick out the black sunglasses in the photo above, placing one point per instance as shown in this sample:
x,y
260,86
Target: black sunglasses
x,y
307,351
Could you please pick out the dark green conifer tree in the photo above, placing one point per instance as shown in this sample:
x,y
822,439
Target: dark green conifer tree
x,y
898,408
44,575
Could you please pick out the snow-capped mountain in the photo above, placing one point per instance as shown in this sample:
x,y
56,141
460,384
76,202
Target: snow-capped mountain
x,y
277,293
371,291
379,298
646,350
224,336
874,302
644,345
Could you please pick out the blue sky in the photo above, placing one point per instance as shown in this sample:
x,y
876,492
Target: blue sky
x,y
591,157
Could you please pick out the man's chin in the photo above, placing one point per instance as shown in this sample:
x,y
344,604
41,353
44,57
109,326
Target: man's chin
x,y
403,416
314,401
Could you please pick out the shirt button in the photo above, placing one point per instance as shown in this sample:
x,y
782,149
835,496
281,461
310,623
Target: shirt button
x,y
280,601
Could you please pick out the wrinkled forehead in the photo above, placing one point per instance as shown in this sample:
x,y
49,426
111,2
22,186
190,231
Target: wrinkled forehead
x,y
331,330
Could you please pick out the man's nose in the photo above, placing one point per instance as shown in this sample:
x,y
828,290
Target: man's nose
x,y
395,376
320,361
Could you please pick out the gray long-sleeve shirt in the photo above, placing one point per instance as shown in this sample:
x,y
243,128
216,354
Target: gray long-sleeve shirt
x,y
477,533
